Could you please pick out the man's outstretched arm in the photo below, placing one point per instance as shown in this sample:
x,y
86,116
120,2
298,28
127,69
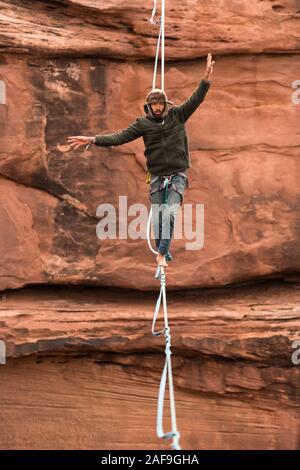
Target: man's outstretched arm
x,y
186,109
132,132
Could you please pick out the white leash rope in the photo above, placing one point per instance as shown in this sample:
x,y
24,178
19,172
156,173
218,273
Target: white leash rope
x,y
152,20
156,59
162,44
161,39
167,371
148,232
149,224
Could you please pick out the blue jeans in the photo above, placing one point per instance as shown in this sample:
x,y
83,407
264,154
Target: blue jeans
x,y
164,213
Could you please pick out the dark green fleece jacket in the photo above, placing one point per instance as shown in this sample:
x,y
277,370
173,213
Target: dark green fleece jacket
x,y
165,139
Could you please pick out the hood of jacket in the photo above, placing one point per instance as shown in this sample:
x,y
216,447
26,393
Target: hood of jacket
x,y
152,96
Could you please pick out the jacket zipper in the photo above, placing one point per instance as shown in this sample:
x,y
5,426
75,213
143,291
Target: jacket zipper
x,y
164,153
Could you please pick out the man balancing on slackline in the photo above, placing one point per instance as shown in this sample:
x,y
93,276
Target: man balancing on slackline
x,y
166,152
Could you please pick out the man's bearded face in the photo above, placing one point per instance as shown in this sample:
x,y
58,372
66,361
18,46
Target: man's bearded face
x,y
157,108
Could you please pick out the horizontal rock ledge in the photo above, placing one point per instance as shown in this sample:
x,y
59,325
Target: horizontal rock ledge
x,y
251,323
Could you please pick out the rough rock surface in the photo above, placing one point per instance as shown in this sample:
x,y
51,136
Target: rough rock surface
x,y
83,368
113,29
244,146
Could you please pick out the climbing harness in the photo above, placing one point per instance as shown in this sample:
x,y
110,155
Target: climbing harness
x,y
167,184
160,274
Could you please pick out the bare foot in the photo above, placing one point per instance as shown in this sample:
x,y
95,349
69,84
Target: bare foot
x,y
161,260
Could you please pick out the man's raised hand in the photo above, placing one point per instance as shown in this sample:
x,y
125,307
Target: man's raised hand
x,y
209,66
76,141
